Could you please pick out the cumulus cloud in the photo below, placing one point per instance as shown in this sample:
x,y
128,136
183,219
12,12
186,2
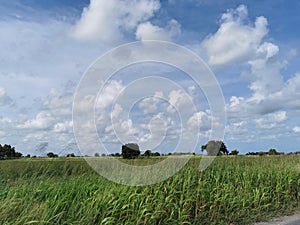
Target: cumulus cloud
x,y
296,129
149,105
202,119
159,125
107,20
117,111
110,91
269,96
266,70
44,120
272,120
148,31
178,100
63,127
235,40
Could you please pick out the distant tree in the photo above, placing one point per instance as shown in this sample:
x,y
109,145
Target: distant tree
x,y
117,154
27,156
130,151
103,155
169,153
147,153
51,155
234,152
8,152
96,154
215,148
252,153
273,151
261,153
71,155
155,154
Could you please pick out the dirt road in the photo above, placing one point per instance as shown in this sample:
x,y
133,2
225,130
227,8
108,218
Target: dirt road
x,y
285,220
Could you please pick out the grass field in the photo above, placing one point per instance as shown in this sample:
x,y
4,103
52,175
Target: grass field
x,y
67,191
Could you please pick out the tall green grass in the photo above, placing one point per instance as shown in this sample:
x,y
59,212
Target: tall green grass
x,y
68,191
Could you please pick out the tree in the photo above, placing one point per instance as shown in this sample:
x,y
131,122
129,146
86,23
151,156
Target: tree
x,y
215,148
51,155
130,151
96,154
71,155
273,151
147,153
8,152
234,152
155,154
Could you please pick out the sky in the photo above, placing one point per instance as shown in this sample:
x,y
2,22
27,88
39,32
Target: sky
x,y
252,47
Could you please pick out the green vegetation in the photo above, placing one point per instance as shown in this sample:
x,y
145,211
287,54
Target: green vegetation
x,y
9,152
215,148
52,155
67,191
130,151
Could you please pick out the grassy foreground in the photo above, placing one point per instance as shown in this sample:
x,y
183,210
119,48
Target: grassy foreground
x,y
68,191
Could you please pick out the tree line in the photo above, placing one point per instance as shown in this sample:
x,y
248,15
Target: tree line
x,y
9,152
132,151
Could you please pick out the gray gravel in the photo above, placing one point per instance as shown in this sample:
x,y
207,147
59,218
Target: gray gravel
x,y
285,220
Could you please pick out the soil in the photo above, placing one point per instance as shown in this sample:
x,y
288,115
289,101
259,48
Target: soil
x,y
285,220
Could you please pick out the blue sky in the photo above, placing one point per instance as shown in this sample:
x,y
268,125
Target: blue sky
x,y
251,46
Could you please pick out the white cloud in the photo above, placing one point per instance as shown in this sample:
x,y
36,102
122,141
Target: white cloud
x,y
161,128
107,20
117,111
263,100
148,31
110,91
63,127
235,41
44,120
272,120
266,68
237,129
149,104
267,50
5,120
238,41
200,119
57,101
179,101
296,129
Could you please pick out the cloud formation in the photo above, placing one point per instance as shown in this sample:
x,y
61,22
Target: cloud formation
x,y
148,31
236,40
106,21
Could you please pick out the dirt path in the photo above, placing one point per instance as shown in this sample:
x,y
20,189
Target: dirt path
x,y
285,220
